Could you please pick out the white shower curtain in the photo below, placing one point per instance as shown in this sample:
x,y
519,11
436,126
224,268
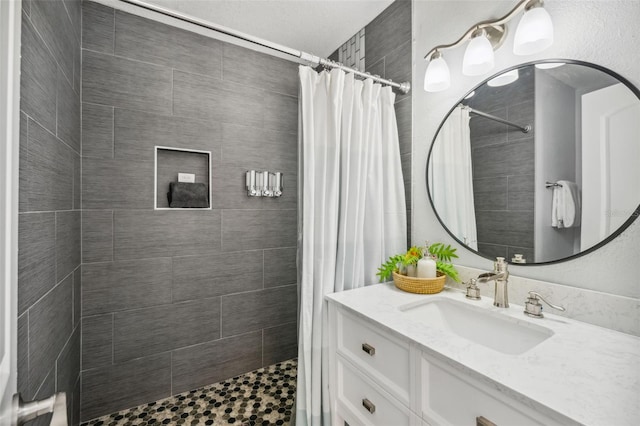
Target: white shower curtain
x,y
353,214
451,180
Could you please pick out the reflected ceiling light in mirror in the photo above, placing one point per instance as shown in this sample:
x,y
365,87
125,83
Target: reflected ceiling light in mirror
x,y
470,95
437,77
504,79
549,65
478,58
536,34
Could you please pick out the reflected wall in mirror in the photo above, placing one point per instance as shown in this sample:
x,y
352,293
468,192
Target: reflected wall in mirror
x,y
541,161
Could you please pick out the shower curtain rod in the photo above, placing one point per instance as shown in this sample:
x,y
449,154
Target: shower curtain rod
x,y
315,60
524,129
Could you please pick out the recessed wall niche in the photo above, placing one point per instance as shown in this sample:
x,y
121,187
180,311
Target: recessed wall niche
x,y
169,162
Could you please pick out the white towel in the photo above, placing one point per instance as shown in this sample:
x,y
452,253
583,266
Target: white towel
x,y
566,205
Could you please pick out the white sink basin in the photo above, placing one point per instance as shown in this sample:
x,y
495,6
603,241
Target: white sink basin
x,y
491,329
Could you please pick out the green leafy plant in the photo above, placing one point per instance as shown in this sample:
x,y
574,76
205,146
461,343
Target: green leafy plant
x,y
443,254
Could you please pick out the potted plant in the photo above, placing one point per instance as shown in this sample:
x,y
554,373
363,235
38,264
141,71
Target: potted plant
x,y
400,262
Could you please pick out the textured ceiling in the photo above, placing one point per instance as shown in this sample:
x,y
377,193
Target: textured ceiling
x,y
318,27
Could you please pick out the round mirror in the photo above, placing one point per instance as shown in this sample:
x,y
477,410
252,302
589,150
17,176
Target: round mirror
x,y
539,163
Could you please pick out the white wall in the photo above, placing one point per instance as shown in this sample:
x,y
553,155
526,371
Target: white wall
x,y
602,32
555,136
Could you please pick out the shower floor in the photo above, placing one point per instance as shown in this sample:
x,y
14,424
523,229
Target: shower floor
x,y
262,397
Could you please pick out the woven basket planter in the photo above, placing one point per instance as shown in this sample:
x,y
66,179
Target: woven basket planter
x,y
420,285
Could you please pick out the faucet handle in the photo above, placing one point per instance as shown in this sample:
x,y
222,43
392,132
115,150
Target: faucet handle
x,y
533,307
500,265
473,291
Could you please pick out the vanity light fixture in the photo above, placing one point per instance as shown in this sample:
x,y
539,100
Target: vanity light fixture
x,y
533,34
437,77
478,58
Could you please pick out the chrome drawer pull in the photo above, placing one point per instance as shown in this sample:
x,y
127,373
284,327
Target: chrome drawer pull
x,y
369,405
369,349
483,421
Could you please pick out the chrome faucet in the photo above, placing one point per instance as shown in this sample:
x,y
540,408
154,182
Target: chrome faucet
x,y
500,275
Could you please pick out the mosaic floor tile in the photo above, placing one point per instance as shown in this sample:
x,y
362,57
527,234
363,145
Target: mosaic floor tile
x,y
262,397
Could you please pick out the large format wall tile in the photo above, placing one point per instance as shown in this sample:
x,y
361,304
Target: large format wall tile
x,y
117,184
109,389
49,242
49,171
280,343
490,193
255,310
195,277
120,82
97,341
280,267
36,257
147,331
97,236
23,356
38,79
50,323
521,192
97,131
508,228
98,27
388,30
53,23
77,296
118,286
257,149
251,68
397,64
68,364
68,107
145,40
210,98
282,114
516,159
208,363
146,234
403,118
249,229
67,243
137,133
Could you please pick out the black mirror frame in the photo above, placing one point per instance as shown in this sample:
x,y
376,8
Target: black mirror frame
x,y
593,248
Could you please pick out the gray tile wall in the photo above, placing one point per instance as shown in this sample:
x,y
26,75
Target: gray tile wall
x,y
388,54
49,219
503,190
173,300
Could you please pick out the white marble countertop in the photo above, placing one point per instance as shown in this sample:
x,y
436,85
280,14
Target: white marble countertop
x,y
586,373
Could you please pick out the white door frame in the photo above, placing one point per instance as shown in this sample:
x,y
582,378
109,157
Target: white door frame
x,y
10,25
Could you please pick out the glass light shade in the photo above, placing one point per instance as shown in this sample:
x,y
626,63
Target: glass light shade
x,y
504,79
534,33
437,77
478,58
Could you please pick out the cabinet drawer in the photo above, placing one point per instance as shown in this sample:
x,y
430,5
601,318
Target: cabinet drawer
x,y
361,401
380,356
449,398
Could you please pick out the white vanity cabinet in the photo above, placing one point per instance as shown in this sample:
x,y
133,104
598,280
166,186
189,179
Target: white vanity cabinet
x,y
449,397
370,373
377,378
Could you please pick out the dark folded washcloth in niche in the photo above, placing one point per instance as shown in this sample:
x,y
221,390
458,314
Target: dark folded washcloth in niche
x,y
182,194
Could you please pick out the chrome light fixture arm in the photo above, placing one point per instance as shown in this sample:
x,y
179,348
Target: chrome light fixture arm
x,y
495,29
